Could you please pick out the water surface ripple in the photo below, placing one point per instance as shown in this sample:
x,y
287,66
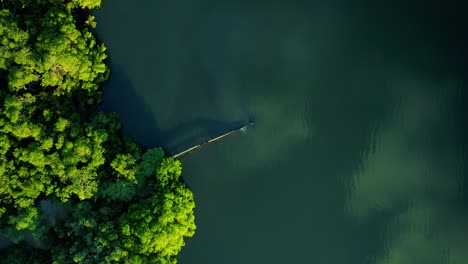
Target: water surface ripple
x,y
358,154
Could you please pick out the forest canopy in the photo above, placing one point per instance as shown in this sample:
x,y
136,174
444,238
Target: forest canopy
x,y
119,203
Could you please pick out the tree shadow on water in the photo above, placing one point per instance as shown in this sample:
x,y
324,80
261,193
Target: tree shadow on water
x,y
139,122
196,131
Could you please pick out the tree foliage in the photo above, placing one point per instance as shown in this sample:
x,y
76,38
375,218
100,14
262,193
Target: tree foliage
x,y
151,230
126,205
50,50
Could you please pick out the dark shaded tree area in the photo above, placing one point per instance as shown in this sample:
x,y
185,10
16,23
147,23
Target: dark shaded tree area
x,y
126,205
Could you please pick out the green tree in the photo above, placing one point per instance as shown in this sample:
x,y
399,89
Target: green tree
x,y
151,230
71,58
125,205
17,56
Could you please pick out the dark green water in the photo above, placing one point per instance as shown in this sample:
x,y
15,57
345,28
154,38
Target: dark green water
x,y
358,153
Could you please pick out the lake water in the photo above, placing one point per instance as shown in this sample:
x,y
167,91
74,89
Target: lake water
x,y
358,151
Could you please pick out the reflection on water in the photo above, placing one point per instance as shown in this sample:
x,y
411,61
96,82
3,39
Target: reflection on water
x,y
357,153
412,173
